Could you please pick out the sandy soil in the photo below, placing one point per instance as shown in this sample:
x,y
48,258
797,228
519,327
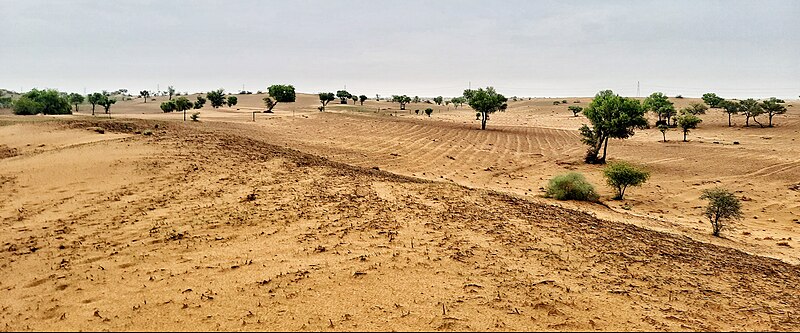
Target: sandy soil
x,y
285,223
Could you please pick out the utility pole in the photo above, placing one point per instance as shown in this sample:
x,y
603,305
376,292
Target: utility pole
x,y
637,88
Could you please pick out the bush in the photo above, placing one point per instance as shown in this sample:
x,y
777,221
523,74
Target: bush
x,y
195,116
26,106
722,206
620,175
571,186
42,101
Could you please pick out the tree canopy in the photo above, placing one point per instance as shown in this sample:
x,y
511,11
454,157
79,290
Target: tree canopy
x,y
343,96
216,98
231,101
486,101
282,93
730,107
620,175
362,98
612,116
403,100
712,100
688,121
438,100
47,101
659,104
75,99
325,98
772,106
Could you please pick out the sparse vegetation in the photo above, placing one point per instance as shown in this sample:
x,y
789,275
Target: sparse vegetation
x,y
458,101
438,100
695,109
428,112
723,207
170,91
168,106
571,186
612,116
620,175
195,116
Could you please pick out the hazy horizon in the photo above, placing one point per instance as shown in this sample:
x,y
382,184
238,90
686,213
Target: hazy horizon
x,y
737,49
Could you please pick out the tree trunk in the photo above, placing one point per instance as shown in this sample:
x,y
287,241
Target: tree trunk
x,y
665,136
93,109
483,120
684,135
747,121
605,150
770,116
729,120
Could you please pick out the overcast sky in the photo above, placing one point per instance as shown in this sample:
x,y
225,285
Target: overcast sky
x,y
425,48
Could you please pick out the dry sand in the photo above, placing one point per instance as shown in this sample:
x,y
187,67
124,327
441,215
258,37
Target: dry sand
x,y
285,223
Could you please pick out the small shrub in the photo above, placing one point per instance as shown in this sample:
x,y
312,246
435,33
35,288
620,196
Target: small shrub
x,y
556,102
428,111
563,101
571,186
147,132
195,116
722,206
621,175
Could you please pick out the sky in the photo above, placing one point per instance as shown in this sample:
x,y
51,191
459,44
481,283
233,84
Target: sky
x,y
737,49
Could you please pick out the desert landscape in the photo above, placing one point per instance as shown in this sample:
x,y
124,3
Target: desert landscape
x,y
374,218
449,165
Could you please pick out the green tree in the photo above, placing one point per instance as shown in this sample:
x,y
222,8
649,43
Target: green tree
x,y
282,93
76,99
362,98
5,101
575,110
354,98
325,98
168,106
170,91
94,99
182,104
659,104
145,94
438,100
663,128
343,96
612,116
722,206
730,107
771,107
26,107
486,101
688,121
216,98
403,100
695,109
415,99
458,101
201,101
47,101
428,111
232,100
620,175
750,108
106,102
712,100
